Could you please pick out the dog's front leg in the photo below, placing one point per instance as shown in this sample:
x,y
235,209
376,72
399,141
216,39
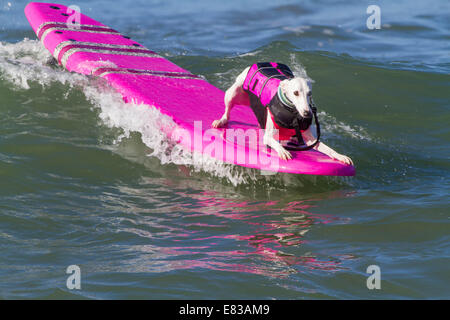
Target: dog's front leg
x,y
322,147
270,141
228,106
233,96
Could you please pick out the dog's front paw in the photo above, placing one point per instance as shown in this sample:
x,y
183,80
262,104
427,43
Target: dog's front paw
x,y
219,123
284,154
343,159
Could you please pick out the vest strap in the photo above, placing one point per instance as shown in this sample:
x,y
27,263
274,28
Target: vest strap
x,y
299,134
285,100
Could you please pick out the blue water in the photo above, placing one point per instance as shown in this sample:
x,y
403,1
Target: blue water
x,y
88,180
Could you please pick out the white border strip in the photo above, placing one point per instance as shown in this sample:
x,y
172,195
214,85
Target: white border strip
x,y
63,24
64,44
69,53
46,32
154,74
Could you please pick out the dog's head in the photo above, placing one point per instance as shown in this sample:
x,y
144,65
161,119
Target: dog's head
x,y
298,91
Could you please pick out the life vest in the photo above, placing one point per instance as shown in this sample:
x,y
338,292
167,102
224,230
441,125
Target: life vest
x,y
262,83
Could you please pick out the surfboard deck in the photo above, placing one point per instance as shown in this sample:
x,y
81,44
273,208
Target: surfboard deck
x,y
141,76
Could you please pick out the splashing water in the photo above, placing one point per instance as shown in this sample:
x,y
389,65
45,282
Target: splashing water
x,y
27,61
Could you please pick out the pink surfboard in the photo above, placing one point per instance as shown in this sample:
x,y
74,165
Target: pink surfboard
x,y
81,44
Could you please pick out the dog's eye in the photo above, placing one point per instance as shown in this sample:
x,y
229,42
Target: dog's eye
x,y
296,93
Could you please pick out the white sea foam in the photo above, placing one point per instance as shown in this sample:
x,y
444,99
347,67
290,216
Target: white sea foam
x,y
148,121
334,126
26,62
297,30
298,69
329,123
249,54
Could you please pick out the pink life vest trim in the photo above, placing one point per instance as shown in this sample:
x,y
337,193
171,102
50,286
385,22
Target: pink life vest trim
x,y
283,133
263,86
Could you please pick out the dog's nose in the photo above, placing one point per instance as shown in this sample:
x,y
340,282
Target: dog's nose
x,y
307,114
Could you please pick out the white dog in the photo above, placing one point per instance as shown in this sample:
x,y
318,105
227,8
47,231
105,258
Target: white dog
x,y
262,87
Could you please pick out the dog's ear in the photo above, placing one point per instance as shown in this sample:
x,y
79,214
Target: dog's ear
x,y
284,84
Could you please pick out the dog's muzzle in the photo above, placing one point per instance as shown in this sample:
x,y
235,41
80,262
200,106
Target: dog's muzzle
x,y
307,114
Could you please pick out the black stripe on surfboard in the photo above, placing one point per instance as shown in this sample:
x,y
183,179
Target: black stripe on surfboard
x,y
52,24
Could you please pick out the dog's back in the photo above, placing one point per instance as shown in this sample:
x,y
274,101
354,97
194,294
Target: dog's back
x,y
261,84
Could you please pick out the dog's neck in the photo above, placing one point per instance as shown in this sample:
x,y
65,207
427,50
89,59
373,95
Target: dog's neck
x,y
284,99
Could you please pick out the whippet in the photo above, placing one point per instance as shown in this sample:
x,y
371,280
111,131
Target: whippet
x,y
280,102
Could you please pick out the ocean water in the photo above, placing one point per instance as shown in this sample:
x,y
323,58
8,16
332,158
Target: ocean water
x,y
87,180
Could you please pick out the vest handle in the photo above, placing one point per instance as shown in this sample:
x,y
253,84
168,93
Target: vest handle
x,y
299,134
